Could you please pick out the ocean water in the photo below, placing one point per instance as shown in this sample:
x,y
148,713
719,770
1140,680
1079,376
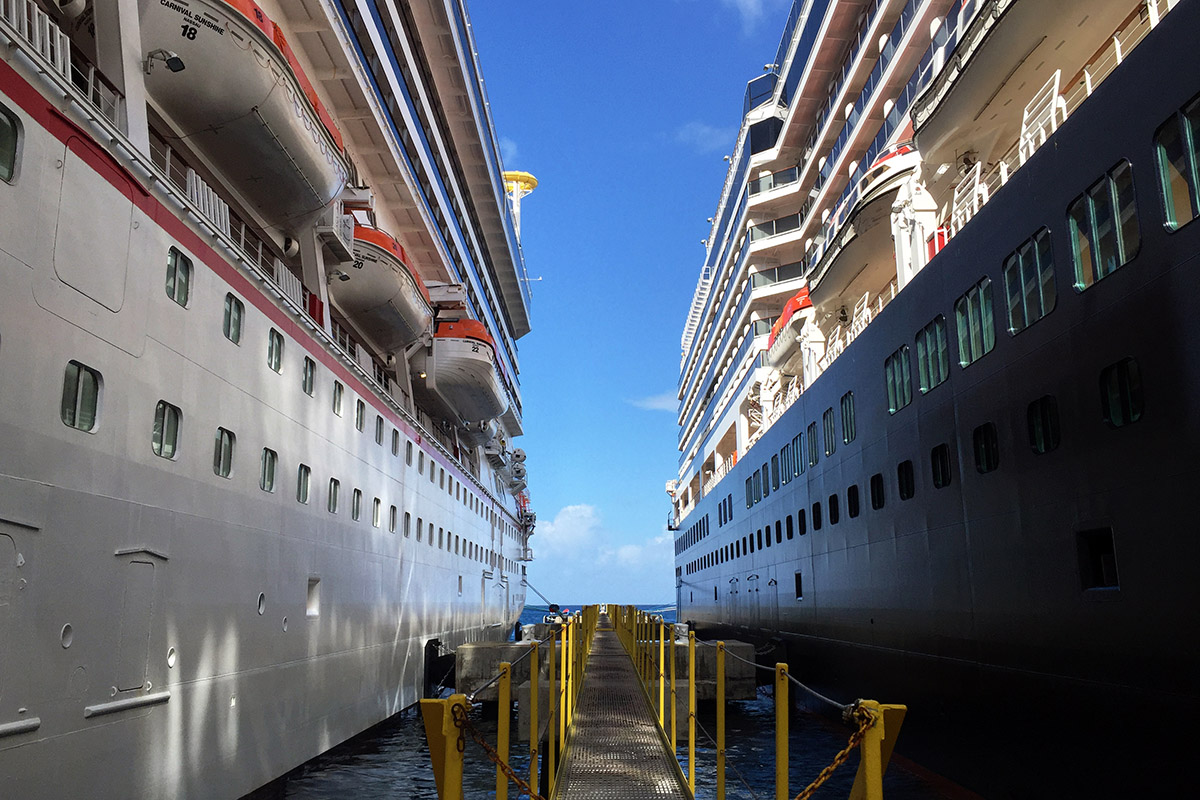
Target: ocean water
x,y
392,759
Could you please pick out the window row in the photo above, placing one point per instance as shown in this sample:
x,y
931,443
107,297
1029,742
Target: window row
x,y
789,463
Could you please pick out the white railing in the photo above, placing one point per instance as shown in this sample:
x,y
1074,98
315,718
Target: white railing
x,y
699,298
288,283
1060,102
214,209
864,312
1042,115
720,472
34,31
37,30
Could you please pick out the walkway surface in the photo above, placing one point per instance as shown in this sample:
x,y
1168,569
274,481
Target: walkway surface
x,y
616,750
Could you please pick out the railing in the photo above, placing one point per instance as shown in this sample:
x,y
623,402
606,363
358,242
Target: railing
x,y
776,180
1060,105
650,642
720,472
34,31
864,313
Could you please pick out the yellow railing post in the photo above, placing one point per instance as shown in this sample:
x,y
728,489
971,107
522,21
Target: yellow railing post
x,y
503,719
692,712
662,652
442,735
533,714
720,721
781,732
674,697
571,676
552,722
566,683
876,748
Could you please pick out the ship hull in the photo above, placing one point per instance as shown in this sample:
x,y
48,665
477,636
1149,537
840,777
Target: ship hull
x,y
169,631
971,603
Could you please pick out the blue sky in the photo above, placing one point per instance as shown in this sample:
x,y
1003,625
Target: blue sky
x,y
623,111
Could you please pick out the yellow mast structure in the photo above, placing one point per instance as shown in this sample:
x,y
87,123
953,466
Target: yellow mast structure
x,y
517,185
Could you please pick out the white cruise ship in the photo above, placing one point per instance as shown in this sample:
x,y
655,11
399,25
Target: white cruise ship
x,y
937,388
260,293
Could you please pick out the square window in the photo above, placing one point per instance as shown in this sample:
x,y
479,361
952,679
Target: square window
x,y
335,490
897,375
303,475
877,497
813,457
906,480
1097,559
976,327
933,354
312,606
164,439
849,429
987,448
939,459
275,350
179,276
80,396
1044,432
223,453
1121,396
266,470
231,326
306,383
9,139
830,436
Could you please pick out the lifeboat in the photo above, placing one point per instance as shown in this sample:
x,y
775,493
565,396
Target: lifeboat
x,y
382,293
797,312
462,373
225,76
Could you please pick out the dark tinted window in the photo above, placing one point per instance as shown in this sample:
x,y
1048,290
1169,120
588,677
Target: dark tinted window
x,y
939,460
1121,395
877,496
987,447
906,480
1044,434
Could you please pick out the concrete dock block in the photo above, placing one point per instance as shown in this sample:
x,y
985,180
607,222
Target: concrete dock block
x,y
477,663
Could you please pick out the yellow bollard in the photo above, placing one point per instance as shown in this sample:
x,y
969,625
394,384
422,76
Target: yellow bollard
x,y
552,727
877,745
503,719
674,735
720,721
781,732
662,652
533,714
442,735
692,712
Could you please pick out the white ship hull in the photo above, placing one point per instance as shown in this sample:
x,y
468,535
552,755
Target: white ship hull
x,y
167,631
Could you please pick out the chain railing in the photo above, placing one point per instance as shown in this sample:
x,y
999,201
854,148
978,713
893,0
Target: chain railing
x,y
448,720
876,725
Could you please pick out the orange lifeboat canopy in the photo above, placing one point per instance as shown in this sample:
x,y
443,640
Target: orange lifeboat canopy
x,y
798,302
386,243
465,329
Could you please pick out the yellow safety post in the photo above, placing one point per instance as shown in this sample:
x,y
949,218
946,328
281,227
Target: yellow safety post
x,y
503,718
552,726
533,714
662,652
877,745
720,721
570,673
674,697
562,706
442,735
692,712
781,732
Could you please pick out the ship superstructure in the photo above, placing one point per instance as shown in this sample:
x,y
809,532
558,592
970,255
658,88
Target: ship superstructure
x,y
262,290
917,448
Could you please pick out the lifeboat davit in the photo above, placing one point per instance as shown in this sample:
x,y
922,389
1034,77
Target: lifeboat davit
x,y
224,74
382,292
797,312
461,371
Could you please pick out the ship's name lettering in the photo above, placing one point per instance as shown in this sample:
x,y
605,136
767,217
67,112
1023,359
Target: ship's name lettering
x,y
196,19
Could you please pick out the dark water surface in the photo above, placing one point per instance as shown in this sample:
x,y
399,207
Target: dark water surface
x,y
392,760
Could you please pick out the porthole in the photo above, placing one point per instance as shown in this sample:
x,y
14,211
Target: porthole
x,y
262,603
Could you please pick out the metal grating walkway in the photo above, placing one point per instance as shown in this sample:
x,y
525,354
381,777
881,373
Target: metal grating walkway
x,y
615,749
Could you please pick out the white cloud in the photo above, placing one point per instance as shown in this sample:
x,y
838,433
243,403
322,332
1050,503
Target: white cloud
x,y
508,151
667,401
576,558
704,138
